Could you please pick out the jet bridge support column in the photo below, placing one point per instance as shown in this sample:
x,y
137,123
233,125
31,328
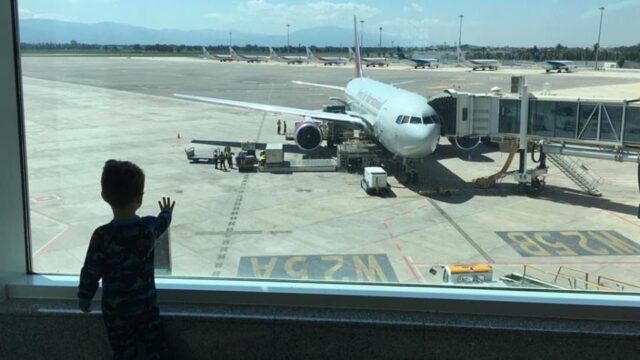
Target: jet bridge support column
x,y
524,116
527,179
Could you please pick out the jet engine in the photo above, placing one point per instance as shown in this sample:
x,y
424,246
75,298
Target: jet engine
x,y
308,135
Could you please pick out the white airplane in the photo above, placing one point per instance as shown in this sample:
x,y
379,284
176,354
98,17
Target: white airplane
x,y
371,61
559,65
484,64
232,56
327,60
401,121
419,62
289,59
250,58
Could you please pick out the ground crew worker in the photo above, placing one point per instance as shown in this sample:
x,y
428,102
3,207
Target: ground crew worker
x,y
222,159
278,123
230,159
284,128
215,158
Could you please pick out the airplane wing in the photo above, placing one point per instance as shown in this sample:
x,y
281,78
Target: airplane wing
x,y
319,85
315,114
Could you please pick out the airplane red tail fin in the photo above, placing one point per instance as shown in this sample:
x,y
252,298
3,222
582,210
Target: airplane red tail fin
x,y
358,58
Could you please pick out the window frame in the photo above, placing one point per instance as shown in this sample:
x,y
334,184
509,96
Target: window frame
x,y
20,281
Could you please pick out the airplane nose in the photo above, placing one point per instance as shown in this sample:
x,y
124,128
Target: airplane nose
x,y
423,140
431,137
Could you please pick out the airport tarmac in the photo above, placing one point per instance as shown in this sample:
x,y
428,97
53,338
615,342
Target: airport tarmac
x,y
79,112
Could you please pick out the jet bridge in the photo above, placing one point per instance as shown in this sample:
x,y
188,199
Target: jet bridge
x,y
588,122
603,128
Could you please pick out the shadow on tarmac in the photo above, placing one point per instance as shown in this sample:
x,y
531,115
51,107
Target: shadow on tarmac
x,y
437,182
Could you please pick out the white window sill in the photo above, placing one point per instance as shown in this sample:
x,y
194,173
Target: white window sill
x,y
516,302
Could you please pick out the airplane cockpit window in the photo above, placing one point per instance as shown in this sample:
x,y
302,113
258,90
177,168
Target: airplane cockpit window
x,y
399,119
416,120
427,120
406,119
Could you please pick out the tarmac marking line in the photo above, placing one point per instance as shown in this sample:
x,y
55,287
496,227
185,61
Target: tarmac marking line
x,y
461,231
411,269
49,244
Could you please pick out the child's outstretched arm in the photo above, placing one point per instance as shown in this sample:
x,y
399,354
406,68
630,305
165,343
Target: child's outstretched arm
x,y
164,219
91,272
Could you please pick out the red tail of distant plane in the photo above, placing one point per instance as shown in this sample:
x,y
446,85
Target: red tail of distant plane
x,y
358,59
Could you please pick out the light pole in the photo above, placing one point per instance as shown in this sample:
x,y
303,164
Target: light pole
x,y
230,42
599,33
460,39
361,32
380,42
288,46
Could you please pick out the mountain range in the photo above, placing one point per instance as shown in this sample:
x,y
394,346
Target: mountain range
x,y
105,33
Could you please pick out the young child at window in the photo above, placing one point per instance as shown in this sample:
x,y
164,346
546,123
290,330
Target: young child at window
x,y
121,254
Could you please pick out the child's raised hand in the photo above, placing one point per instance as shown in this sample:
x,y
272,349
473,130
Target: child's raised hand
x,y
166,204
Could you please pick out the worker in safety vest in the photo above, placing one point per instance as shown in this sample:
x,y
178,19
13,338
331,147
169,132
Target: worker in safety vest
x,y
278,124
222,160
230,159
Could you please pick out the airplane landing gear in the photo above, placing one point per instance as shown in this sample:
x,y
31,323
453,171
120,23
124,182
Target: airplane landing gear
x,y
410,171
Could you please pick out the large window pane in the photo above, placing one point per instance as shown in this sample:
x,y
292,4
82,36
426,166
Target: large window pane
x,y
632,125
509,116
565,120
345,196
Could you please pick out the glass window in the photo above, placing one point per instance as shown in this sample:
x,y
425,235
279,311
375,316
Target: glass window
x,y
632,125
565,113
509,122
90,97
611,120
542,118
588,124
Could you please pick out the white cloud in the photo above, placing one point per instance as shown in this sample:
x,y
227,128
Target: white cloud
x,y
413,8
308,14
25,13
613,8
214,15
409,31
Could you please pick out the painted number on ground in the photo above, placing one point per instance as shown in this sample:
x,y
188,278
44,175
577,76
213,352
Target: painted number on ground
x,y
570,243
361,267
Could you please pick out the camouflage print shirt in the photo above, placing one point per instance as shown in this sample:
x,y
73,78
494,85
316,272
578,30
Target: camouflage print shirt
x,y
121,254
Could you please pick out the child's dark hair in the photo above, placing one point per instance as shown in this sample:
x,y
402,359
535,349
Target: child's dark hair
x,y
122,183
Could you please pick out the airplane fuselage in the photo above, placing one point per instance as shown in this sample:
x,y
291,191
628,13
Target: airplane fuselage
x,y
402,121
483,64
333,60
375,62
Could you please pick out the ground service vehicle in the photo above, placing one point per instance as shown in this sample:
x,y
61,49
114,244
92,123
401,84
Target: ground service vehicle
x,y
374,180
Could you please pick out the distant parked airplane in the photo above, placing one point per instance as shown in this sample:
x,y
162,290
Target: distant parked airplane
x,y
289,59
371,61
484,64
559,65
251,58
327,60
420,62
232,56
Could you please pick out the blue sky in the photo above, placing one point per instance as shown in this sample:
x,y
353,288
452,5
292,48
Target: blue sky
x,y
486,22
